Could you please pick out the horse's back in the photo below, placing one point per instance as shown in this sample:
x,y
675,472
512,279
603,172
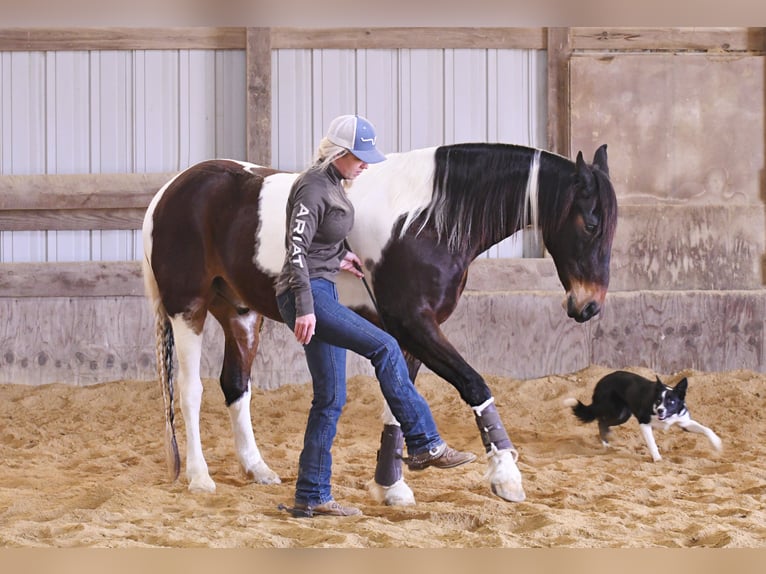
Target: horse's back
x,y
201,232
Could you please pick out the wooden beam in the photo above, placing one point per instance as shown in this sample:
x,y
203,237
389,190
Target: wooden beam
x,y
394,38
75,279
71,219
80,191
716,40
58,39
559,53
259,46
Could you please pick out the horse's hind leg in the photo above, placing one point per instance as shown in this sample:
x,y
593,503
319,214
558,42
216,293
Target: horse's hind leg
x,y
242,333
189,352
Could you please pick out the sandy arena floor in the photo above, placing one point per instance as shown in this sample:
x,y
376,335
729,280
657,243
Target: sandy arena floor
x,y
85,467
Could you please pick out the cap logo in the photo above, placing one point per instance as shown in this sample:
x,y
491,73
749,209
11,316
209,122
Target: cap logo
x,y
368,140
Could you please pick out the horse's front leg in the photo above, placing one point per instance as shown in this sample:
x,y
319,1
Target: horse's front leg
x,y
389,486
424,339
242,335
504,476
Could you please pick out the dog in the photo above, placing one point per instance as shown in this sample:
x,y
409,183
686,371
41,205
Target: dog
x,y
621,394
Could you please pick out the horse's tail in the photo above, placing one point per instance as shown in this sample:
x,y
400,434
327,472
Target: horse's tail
x,y
164,345
583,412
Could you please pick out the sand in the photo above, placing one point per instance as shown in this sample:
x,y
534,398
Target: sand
x,y
85,467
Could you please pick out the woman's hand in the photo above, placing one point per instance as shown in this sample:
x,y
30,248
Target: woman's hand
x,y
304,328
352,264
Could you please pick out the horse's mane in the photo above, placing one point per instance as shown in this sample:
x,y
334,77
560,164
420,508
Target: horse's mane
x,y
477,187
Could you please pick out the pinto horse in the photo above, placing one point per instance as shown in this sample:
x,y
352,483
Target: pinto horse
x,y
214,241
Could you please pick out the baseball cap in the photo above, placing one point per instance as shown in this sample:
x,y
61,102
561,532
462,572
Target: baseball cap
x,y
357,135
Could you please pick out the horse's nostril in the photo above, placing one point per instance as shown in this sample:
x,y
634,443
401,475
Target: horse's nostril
x,y
590,310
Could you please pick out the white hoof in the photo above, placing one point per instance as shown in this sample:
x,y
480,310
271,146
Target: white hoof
x,y
504,476
398,494
262,474
202,483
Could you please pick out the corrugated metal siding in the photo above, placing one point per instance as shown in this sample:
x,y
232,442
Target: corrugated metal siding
x,y
149,111
415,98
113,112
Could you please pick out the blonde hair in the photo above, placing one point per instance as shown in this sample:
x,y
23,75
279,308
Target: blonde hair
x,y
327,152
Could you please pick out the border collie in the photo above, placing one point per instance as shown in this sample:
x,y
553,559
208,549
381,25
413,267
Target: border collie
x,y
621,394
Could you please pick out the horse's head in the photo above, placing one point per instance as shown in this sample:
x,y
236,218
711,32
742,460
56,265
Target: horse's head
x,y
579,235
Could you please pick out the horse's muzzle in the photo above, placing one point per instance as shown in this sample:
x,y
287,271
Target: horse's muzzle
x,y
583,309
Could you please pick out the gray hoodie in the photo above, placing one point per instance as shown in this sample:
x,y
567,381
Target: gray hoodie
x,y
319,217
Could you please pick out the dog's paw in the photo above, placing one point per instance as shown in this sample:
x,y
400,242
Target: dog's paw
x,y
716,442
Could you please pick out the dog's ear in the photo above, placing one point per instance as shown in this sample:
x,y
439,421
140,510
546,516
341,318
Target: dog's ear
x,y
680,388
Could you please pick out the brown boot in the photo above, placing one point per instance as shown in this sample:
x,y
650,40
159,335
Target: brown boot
x,y
329,508
442,456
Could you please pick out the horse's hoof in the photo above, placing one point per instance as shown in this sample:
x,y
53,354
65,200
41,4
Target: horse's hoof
x,y
504,476
262,474
398,494
202,484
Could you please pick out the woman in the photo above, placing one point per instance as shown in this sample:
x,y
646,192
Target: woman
x,y
319,216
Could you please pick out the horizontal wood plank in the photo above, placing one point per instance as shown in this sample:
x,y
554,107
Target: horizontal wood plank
x,y
72,219
80,191
118,38
395,38
90,340
669,39
71,279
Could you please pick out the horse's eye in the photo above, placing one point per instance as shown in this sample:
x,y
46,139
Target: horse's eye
x,y
590,228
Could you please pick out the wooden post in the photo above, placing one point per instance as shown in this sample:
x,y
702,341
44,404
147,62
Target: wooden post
x,y
258,53
559,52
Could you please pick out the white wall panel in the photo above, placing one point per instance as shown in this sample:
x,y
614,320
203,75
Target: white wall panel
x,y
146,111
230,106
415,98
113,112
292,106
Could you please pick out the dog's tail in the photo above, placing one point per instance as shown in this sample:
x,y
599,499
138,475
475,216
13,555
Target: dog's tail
x,y
583,412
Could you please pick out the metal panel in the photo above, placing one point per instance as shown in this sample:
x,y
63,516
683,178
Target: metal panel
x,y
415,98
144,111
113,112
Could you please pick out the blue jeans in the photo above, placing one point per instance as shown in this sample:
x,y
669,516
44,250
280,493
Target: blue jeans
x,y
338,328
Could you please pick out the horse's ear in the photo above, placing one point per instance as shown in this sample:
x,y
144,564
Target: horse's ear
x,y
583,172
599,159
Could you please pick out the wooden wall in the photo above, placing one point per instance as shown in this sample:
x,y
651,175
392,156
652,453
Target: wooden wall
x,y
682,111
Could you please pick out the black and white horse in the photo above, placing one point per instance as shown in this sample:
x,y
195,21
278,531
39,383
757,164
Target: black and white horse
x,y
214,241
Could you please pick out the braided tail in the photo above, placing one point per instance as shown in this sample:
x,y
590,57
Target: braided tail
x,y
165,346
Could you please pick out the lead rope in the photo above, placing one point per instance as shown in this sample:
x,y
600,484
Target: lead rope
x,y
366,285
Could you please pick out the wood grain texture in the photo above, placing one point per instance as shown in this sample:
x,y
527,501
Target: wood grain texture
x,y
121,38
71,219
673,330
88,340
259,46
80,191
670,39
71,279
559,52
416,37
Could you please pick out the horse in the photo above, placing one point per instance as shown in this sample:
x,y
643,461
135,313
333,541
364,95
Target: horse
x,y
214,242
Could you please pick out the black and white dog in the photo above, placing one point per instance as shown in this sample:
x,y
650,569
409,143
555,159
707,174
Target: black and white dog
x,y
621,394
